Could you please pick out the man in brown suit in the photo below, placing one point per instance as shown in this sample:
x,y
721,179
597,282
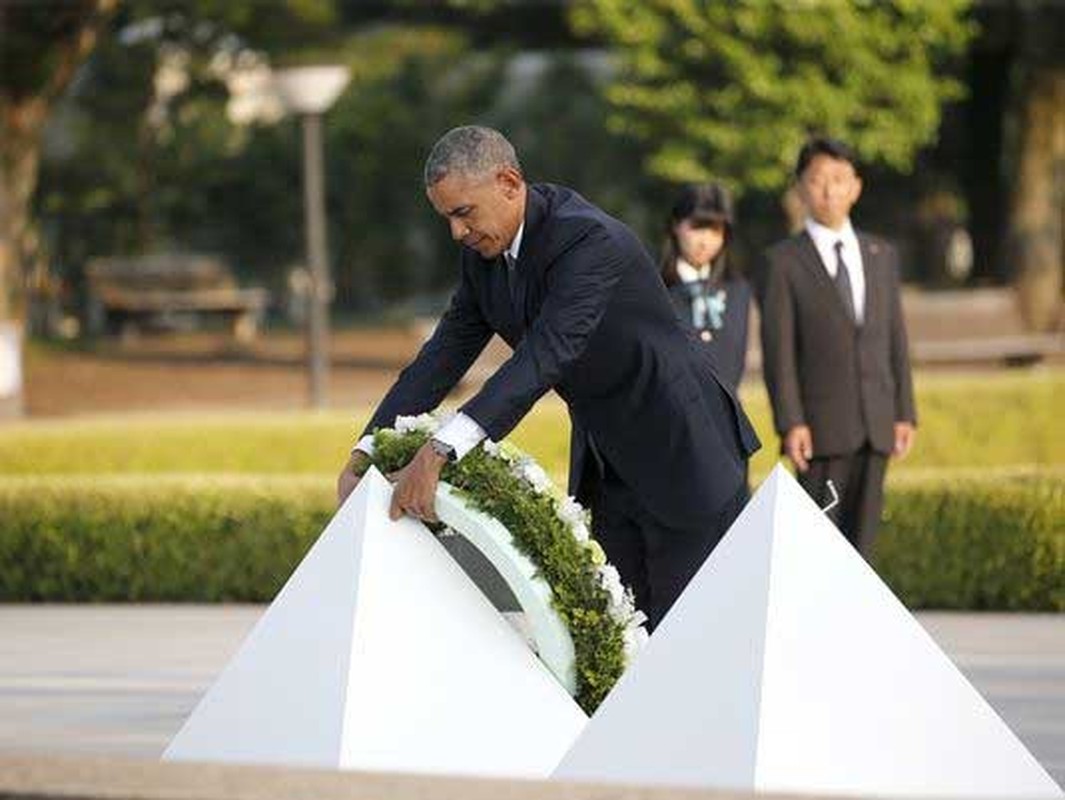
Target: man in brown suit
x,y
835,352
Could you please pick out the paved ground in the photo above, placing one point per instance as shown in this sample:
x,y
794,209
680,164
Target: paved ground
x,y
121,679
208,372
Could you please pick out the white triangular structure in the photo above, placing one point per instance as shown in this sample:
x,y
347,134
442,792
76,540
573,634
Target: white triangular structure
x,y
380,654
787,665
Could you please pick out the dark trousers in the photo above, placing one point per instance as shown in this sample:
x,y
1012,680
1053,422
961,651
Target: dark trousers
x,y
859,481
654,560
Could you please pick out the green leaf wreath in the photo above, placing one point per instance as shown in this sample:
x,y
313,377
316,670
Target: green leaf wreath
x,y
551,529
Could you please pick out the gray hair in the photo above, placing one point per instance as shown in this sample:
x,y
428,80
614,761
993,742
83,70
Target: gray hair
x,y
470,150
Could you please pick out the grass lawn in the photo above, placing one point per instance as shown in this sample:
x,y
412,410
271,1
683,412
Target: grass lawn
x,y
988,422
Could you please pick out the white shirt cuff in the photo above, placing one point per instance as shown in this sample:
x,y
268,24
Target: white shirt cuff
x,y
462,433
365,444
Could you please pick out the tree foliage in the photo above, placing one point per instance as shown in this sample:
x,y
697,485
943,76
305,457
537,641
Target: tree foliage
x,y
136,172
730,90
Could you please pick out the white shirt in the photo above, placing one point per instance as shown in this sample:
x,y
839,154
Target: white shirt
x,y
825,241
689,274
461,432
515,246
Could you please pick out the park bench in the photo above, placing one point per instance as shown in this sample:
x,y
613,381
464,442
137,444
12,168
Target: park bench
x,y
981,326
169,291
977,327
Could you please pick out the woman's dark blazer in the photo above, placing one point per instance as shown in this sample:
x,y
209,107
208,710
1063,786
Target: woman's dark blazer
x,y
729,344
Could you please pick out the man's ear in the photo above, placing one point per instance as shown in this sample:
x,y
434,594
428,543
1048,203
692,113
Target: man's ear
x,y
857,188
510,181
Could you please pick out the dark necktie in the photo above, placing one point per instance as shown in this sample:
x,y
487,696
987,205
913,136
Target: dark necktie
x,y
843,283
512,279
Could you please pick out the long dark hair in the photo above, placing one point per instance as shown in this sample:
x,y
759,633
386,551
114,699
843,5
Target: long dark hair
x,y
702,204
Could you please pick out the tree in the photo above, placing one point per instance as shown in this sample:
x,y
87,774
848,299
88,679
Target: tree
x,y
141,170
1036,224
731,90
131,168
43,45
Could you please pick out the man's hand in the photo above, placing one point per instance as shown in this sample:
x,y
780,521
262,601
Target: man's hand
x,y
799,446
415,489
351,475
905,433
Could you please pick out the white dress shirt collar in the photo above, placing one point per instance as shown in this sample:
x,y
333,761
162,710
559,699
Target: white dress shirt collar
x,y
514,250
689,274
824,239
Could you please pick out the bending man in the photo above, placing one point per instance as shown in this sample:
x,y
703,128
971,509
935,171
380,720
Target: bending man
x,y
659,446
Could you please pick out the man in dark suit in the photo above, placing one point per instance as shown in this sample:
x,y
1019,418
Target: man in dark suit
x,y
659,447
836,361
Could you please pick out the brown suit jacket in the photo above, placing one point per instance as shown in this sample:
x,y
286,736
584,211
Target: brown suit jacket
x,y
849,383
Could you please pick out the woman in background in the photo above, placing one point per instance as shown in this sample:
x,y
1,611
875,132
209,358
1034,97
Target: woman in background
x,y
709,293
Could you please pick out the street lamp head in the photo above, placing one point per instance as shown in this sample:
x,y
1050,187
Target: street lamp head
x,y
310,90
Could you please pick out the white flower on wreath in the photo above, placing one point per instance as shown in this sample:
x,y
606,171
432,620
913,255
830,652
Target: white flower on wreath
x,y
426,423
536,476
572,513
635,636
511,453
610,580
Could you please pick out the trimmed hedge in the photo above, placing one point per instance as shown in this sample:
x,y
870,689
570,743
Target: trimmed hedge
x,y
976,544
159,539
956,541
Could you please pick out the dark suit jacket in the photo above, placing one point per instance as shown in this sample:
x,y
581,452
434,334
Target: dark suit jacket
x,y
728,348
849,383
594,323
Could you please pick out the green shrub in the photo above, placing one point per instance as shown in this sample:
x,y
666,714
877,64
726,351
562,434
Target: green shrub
x,y
976,543
955,541
158,539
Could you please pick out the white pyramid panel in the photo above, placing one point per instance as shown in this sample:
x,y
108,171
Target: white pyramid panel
x,y
879,706
280,698
380,654
686,711
850,694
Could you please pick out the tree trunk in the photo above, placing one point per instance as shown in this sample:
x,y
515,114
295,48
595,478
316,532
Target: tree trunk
x,y
19,158
1036,218
23,111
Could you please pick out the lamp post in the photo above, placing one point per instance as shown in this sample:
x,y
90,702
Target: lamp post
x,y
309,92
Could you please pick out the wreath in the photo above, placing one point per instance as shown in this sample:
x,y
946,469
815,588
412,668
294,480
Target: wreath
x,y
552,531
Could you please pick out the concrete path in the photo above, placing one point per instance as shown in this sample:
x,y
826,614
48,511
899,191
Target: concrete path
x,y
120,680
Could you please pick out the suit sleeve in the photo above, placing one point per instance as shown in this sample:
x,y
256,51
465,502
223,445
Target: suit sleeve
x,y
459,338
579,288
779,345
905,408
